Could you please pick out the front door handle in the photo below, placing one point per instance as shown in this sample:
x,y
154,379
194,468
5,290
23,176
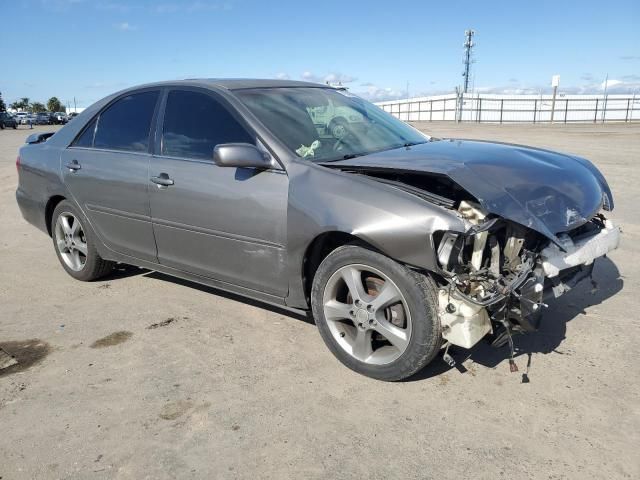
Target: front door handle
x,y
73,165
162,180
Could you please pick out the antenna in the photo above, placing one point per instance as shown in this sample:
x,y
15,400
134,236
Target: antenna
x,y
468,45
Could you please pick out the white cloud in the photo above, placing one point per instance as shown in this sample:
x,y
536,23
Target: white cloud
x,y
340,78
125,27
614,86
374,93
333,78
283,76
310,77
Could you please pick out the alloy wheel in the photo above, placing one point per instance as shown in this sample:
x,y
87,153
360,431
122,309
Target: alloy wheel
x,y
71,241
367,314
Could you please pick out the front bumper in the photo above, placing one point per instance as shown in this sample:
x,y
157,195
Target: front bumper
x,y
580,251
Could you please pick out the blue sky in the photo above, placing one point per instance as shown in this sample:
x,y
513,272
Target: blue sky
x,y
88,48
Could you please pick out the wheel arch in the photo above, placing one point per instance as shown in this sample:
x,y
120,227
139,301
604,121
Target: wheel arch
x,y
320,247
52,203
338,119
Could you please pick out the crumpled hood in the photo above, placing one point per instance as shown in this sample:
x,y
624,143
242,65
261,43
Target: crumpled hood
x,y
546,191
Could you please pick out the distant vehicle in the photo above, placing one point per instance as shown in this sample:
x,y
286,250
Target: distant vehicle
x,y
7,121
29,118
71,116
20,116
334,119
60,118
399,243
43,118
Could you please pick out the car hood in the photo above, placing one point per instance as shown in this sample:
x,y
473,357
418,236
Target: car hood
x,y
546,191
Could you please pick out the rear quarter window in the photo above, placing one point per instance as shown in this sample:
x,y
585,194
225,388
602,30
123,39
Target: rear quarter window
x,y
86,137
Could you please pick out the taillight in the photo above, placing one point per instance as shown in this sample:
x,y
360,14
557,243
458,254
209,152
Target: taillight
x,y
18,163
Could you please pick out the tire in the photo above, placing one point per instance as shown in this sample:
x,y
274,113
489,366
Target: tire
x,y
413,346
71,243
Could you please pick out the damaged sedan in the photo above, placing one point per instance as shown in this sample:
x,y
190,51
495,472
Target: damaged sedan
x,y
310,198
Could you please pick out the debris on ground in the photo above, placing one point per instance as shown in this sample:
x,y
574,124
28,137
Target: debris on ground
x,y
6,360
163,323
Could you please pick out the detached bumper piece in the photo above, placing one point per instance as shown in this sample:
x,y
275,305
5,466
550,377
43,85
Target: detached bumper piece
x,y
582,250
565,269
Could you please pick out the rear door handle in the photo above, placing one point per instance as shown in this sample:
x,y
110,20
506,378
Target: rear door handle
x,y
73,165
162,180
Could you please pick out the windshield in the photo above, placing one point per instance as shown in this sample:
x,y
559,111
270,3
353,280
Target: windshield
x,y
325,124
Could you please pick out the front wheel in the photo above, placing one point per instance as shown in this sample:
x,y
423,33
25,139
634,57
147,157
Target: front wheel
x,y
377,317
75,245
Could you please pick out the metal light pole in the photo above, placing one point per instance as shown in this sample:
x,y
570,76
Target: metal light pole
x,y
555,82
604,102
468,45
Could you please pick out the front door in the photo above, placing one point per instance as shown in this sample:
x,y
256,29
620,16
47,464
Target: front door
x,y
220,222
106,170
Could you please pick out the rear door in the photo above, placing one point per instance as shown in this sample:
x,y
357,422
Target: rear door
x,y
220,222
106,170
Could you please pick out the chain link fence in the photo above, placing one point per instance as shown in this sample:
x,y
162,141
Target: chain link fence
x,y
512,109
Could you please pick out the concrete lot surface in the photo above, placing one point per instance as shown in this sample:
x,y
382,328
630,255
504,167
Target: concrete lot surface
x,y
142,376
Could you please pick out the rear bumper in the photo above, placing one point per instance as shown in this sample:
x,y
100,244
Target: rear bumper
x,y
581,251
32,210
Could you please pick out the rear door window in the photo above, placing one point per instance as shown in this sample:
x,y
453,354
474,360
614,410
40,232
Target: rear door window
x,y
194,123
126,124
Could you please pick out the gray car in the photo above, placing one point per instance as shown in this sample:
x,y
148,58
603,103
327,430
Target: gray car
x,y
399,244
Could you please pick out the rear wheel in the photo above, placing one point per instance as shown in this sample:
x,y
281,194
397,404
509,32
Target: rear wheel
x,y
75,246
338,128
376,316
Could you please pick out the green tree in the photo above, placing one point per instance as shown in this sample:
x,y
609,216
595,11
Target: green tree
x,y
37,107
54,105
21,104
3,107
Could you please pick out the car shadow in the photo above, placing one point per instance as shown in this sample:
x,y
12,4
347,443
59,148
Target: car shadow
x,y
230,296
550,334
122,270
547,339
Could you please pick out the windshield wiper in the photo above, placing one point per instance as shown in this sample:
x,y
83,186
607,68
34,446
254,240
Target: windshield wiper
x,y
348,156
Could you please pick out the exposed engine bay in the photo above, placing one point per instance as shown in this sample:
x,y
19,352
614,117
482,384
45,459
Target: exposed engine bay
x,y
496,275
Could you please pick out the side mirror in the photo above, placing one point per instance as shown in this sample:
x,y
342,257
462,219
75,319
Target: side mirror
x,y
240,155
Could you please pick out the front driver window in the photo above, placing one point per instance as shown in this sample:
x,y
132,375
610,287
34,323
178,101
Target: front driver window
x,y
194,123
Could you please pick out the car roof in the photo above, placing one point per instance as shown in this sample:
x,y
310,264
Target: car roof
x,y
232,83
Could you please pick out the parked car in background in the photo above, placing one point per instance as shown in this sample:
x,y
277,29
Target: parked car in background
x,y
60,118
21,116
43,118
334,120
400,244
7,121
71,116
